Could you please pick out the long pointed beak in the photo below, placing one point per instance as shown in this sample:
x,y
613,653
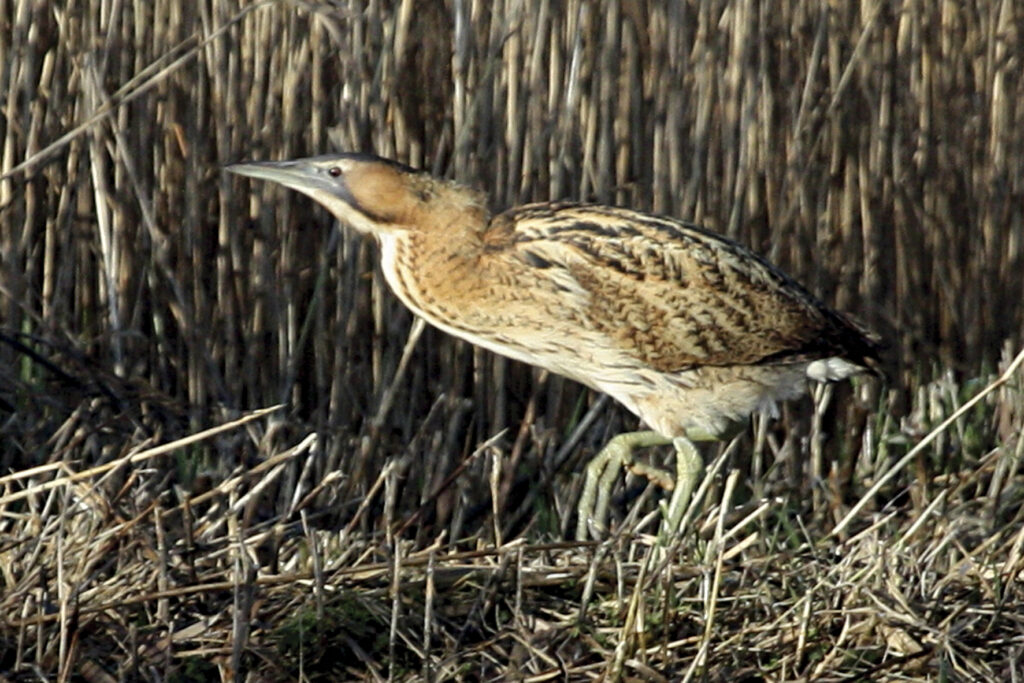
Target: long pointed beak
x,y
313,178
298,175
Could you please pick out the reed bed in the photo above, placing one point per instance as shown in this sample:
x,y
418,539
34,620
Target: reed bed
x,y
403,512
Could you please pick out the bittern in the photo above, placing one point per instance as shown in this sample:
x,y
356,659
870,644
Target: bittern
x,y
689,330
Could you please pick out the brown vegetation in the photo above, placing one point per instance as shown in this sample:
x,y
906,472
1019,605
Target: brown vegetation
x,y
407,508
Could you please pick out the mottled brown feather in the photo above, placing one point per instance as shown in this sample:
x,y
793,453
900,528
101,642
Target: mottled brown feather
x,y
675,295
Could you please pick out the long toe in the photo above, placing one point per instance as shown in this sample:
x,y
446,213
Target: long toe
x,y
601,473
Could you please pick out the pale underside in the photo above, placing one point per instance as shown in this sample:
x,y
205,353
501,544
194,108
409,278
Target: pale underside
x,y
686,329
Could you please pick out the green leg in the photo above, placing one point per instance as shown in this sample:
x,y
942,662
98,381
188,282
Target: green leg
x,y
592,513
689,466
689,471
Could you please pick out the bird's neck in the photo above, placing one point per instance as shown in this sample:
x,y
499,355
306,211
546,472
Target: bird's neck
x,y
434,269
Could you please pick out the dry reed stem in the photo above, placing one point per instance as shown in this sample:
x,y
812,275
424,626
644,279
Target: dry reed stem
x,y
1005,377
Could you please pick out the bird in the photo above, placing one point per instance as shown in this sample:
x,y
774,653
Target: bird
x,y
689,330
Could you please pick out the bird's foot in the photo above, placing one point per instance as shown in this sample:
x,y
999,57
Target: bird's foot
x,y
592,512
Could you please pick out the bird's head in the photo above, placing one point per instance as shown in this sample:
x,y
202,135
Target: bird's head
x,y
372,194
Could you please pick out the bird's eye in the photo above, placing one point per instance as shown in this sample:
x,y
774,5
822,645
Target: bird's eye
x,y
334,171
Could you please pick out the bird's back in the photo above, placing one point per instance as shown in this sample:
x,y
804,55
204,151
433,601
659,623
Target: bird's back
x,y
674,294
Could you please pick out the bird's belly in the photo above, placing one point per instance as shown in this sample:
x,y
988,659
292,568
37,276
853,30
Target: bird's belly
x,y
713,399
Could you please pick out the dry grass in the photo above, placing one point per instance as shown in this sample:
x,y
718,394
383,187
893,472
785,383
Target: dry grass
x,y
107,570
405,510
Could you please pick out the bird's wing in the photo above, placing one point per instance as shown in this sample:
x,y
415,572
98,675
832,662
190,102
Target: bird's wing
x,y
669,294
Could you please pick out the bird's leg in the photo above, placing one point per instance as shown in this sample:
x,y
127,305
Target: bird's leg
x,y
689,466
592,512
601,474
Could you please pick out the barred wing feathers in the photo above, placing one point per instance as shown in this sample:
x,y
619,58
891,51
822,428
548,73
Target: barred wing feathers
x,y
673,295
